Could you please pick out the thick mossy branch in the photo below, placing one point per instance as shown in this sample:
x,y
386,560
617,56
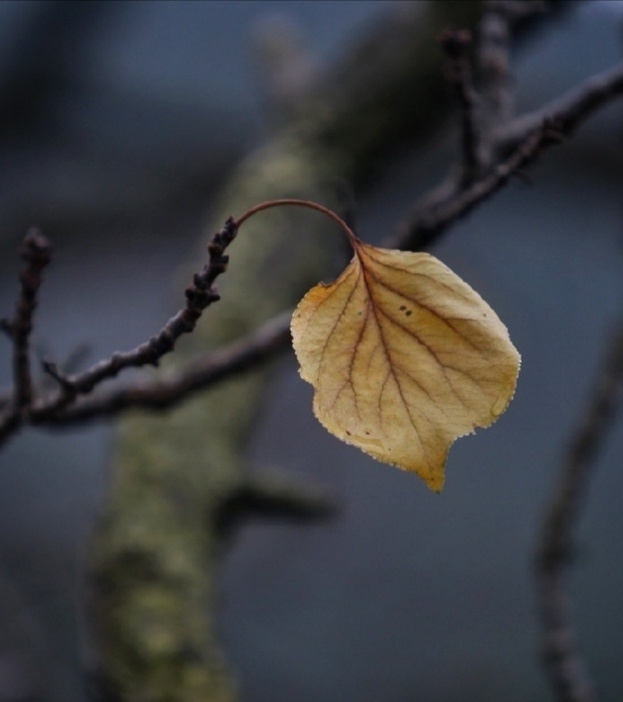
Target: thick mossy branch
x,y
272,498
175,472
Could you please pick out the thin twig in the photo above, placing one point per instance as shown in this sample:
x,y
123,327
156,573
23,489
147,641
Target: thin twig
x,y
199,295
494,63
456,43
247,353
438,206
424,228
497,96
568,111
484,111
556,543
37,253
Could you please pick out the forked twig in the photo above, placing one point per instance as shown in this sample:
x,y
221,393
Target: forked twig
x,y
425,227
23,407
249,352
199,295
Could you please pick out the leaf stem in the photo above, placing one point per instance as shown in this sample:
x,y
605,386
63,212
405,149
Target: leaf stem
x,y
301,203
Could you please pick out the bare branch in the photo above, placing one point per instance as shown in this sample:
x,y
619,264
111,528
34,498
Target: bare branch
x,y
494,62
258,347
568,111
424,227
272,497
199,295
499,19
556,541
456,43
37,253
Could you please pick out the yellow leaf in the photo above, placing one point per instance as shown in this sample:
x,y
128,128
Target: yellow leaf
x,y
404,358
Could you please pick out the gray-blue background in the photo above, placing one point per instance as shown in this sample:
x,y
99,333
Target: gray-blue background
x,y
407,595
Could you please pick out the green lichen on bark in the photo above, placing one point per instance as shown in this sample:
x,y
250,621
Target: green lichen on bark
x,y
156,549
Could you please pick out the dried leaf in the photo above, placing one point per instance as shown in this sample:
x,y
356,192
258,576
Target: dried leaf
x,y
404,358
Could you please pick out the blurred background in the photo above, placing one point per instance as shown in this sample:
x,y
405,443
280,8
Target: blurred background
x,y
118,123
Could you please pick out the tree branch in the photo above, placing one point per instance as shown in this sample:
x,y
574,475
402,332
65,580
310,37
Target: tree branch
x,y
568,111
494,60
37,253
256,348
423,229
272,497
199,295
556,542
456,43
